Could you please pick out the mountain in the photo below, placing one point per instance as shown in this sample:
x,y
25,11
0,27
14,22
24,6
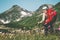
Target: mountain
x,y
28,22
31,22
57,5
57,8
15,13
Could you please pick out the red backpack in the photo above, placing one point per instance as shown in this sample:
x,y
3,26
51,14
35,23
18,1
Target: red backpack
x,y
50,14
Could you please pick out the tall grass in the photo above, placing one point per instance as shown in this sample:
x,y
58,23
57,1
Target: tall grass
x,y
27,36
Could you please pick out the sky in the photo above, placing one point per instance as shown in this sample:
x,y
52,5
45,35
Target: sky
x,y
30,5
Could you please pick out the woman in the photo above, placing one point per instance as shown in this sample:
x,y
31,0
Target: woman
x,y
44,17
49,17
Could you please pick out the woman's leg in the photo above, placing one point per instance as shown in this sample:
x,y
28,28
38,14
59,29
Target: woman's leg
x,y
52,24
46,29
51,28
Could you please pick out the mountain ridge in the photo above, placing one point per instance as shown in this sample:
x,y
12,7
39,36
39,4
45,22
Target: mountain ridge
x,y
30,22
14,13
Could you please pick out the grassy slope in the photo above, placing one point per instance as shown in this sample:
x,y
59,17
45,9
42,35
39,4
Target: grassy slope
x,y
28,22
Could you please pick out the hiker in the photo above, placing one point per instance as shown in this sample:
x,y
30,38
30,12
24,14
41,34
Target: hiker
x,y
44,16
49,18
44,11
52,16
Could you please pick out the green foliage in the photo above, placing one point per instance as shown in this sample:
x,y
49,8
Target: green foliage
x,y
27,23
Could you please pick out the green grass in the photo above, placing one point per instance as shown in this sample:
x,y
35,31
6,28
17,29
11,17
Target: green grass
x,y
23,36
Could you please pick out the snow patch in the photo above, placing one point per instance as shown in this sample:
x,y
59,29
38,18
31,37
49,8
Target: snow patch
x,y
18,19
4,22
23,14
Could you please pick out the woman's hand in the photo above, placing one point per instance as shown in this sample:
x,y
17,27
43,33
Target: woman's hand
x,y
39,22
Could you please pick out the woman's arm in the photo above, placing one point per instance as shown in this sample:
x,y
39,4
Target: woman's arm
x,y
43,18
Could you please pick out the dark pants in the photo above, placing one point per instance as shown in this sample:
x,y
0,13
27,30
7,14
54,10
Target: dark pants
x,y
46,28
51,25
